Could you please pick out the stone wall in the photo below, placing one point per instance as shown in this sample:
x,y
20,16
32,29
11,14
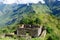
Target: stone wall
x,y
39,30
21,31
33,32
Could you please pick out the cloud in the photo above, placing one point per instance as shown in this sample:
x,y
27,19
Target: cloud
x,y
9,1
21,1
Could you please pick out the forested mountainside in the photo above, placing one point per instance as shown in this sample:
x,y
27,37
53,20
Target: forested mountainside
x,y
54,6
47,15
11,13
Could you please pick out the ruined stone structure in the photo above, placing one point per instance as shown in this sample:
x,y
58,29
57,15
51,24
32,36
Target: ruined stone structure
x,y
32,30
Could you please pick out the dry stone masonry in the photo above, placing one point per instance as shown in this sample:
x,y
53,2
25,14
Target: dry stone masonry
x,y
31,30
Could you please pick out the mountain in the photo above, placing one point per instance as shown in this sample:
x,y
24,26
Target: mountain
x,y
37,14
54,6
12,13
9,12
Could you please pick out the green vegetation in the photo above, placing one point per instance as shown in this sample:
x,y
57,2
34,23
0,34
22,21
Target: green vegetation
x,y
41,15
7,38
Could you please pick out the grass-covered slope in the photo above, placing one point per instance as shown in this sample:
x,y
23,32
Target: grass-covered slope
x,y
42,15
37,14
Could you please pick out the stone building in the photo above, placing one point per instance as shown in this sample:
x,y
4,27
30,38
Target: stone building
x,y
31,30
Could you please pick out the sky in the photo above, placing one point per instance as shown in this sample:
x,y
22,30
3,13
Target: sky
x,y
20,1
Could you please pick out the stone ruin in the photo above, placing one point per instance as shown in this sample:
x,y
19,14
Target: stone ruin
x,y
32,30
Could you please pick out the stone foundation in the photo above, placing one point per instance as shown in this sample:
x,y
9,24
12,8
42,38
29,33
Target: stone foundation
x,y
33,31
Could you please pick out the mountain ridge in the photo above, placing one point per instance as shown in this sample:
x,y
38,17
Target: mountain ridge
x,y
12,11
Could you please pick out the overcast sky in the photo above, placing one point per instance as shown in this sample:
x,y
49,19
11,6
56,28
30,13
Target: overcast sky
x,y
20,1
